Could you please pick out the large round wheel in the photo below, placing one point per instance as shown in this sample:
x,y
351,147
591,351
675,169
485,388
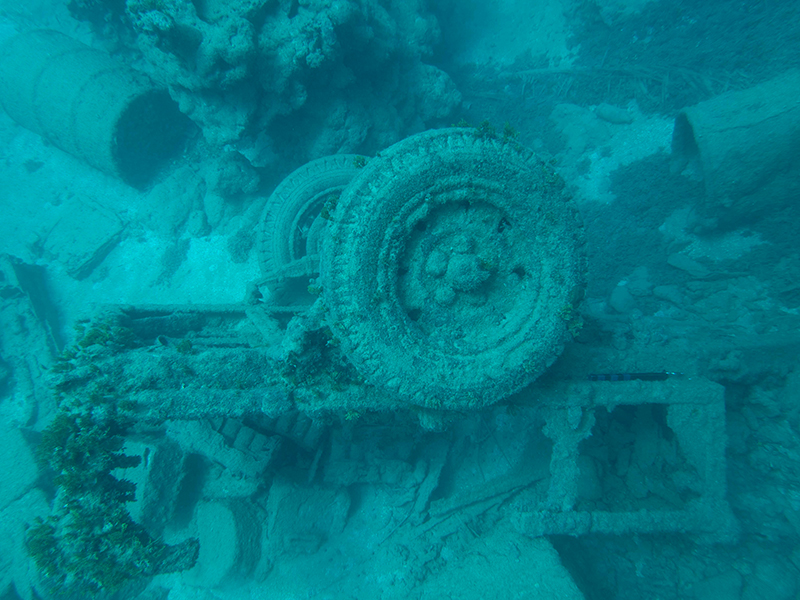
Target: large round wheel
x,y
451,268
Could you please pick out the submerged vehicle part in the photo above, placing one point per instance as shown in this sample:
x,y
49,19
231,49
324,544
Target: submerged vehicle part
x,y
211,363
678,425
294,217
449,268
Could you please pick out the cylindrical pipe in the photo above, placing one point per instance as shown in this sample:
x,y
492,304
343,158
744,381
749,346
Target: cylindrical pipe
x,y
744,145
86,103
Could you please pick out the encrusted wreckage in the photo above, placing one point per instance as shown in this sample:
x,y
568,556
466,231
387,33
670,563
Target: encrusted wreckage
x,y
434,280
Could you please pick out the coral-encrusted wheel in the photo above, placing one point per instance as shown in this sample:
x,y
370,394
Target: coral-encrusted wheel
x,y
292,220
450,266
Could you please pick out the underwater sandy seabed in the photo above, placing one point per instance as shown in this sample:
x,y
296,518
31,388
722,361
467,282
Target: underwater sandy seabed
x,y
682,278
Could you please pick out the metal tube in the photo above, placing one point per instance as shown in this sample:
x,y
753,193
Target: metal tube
x,y
89,105
744,145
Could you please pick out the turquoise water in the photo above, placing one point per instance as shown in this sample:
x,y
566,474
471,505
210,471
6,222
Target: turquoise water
x,y
263,337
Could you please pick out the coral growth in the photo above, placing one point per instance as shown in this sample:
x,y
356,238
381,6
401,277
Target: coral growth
x,y
331,76
90,544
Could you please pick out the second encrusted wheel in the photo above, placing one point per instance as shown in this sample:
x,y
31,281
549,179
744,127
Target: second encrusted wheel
x,y
292,219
